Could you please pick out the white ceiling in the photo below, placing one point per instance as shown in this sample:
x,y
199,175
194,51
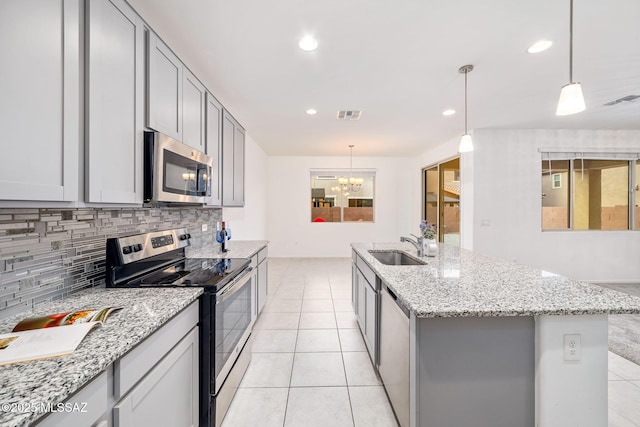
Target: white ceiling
x,y
398,61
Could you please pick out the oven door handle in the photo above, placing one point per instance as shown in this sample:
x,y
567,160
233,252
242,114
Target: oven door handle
x,y
230,290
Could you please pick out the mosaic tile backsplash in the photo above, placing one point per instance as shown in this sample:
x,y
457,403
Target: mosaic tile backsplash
x,y
46,254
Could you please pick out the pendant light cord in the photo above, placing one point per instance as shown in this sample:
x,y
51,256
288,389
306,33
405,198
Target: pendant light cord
x,y
570,41
465,101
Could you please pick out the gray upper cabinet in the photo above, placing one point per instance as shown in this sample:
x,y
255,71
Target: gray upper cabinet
x,y
40,101
115,101
232,161
193,111
164,97
214,147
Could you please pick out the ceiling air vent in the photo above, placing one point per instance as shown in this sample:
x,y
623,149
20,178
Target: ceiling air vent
x,y
348,115
628,98
326,177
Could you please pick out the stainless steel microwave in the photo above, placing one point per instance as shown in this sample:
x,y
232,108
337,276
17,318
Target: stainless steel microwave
x,y
175,172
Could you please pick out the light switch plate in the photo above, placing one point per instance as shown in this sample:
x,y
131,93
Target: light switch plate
x,y
204,227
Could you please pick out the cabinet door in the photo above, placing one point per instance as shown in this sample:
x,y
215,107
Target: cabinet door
x,y
362,284
232,162
354,287
262,284
168,395
193,111
371,330
238,166
164,103
40,100
115,83
214,147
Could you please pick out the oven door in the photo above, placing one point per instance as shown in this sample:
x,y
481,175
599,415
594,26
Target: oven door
x,y
233,321
175,172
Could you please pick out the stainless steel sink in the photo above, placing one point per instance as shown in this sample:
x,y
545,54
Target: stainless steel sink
x,y
395,258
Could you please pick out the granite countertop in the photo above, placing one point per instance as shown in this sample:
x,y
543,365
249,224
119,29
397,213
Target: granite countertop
x,y
235,249
460,283
54,380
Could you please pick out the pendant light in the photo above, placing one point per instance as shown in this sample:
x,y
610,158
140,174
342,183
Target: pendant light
x,y
466,144
571,99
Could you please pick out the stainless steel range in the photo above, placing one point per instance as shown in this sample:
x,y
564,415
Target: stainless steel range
x,y
227,306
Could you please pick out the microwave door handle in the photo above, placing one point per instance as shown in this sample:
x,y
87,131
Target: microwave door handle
x,y
230,290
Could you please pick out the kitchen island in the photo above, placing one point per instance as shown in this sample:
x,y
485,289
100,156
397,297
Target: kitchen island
x,y
488,342
27,388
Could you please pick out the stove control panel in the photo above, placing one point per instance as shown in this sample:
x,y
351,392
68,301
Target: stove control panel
x,y
141,246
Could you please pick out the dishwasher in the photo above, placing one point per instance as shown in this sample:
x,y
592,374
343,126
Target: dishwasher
x,y
394,353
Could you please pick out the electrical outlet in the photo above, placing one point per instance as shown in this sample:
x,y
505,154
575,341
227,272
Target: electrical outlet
x,y
204,227
572,349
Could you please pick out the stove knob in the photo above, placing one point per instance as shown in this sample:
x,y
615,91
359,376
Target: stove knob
x,y
127,250
137,248
188,235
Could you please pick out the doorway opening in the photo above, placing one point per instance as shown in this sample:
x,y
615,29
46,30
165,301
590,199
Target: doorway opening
x,y
441,199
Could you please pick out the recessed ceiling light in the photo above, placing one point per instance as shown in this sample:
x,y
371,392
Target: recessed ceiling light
x,y
311,111
308,43
448,112
540,46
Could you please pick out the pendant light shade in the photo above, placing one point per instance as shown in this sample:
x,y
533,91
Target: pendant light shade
x,y
571,99
466,143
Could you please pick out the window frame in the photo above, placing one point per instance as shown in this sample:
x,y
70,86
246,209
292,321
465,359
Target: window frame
x,y
632,159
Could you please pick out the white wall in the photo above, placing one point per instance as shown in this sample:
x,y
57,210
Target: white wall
x,y
250,222
290,230
507,206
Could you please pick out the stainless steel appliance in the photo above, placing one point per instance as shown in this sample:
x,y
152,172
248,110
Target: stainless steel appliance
x,y
394,353
227,306
175,172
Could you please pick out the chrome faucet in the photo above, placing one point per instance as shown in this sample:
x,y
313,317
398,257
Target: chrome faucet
x,y
417,243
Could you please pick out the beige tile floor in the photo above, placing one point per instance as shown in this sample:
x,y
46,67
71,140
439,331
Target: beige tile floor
x,y
310,367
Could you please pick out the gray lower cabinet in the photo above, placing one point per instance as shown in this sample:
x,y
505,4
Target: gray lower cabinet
x,y
263,274
214,147
366,296
115,96
232,161
40,100
168,394
154,384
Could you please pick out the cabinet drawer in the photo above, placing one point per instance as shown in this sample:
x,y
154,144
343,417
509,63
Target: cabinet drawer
x,y
88,406
367,272
262,255
134,365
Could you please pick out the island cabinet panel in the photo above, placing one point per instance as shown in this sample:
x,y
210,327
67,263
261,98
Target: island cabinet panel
x,y
193,111
233,140
40,100
476,371
214,147
365,298
115,96
164,97
263,285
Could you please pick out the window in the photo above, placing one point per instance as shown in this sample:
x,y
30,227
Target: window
x,y
342,196
591,191
555,199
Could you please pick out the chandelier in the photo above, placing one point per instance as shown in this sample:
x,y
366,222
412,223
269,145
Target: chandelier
x,y
350,184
